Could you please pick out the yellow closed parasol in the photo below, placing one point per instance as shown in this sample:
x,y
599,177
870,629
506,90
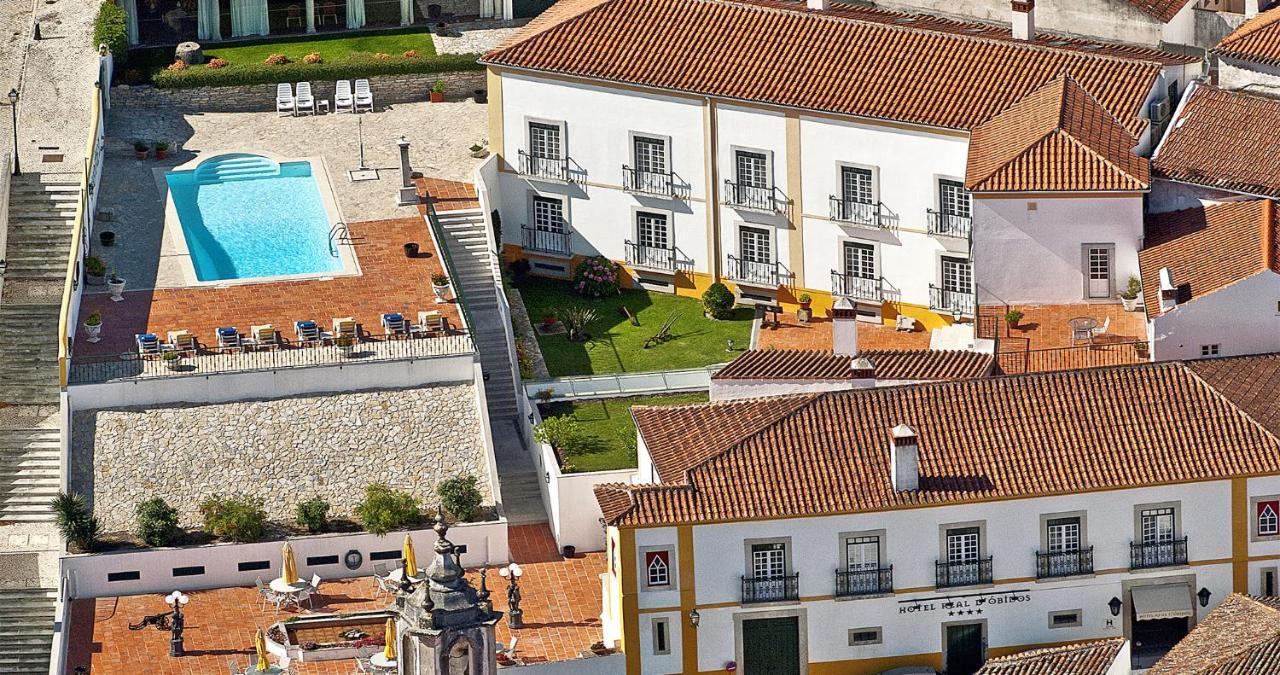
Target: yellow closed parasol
x,y
389,652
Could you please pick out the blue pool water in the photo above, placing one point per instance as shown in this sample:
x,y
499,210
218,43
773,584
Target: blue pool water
x,y
246,216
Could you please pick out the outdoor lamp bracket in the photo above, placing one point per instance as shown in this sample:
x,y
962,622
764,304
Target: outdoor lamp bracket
x,y
1203,596
1115,606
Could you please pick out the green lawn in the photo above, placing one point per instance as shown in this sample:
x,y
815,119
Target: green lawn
x,y
608,423
616,346
394,42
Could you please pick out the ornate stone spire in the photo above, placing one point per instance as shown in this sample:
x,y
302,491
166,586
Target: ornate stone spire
x,y
444,571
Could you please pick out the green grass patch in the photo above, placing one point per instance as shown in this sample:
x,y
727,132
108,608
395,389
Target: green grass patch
x,y
608,424
617,346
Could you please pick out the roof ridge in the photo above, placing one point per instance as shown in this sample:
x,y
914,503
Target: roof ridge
x,y
1101,157
1182,365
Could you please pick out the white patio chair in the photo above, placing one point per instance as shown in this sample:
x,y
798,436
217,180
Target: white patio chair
x,y
300,597
342,99
364,96
264,336
510,650
284,99
304,101
265,594
1103,328
382,575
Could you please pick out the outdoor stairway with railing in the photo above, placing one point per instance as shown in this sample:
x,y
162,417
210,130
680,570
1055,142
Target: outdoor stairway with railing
x,y
30,461
26,629
468,247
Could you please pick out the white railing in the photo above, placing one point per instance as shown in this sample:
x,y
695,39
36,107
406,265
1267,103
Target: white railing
x,y
623,384
6,171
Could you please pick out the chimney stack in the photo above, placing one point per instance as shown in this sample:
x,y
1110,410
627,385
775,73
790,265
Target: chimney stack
x,y
904,459
863,372
1168,292
820,5
1024,20
1250,8
844,328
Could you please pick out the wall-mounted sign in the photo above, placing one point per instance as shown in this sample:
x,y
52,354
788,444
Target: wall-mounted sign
x,y
964,605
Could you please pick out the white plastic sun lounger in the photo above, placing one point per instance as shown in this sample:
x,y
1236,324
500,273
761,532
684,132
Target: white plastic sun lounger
x,y
284,99
304,101
342,99
364,96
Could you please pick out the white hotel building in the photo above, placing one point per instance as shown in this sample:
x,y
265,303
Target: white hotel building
x,y
828,150
940,524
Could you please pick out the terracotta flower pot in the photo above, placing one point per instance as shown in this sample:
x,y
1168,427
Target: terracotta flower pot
x,y
437,97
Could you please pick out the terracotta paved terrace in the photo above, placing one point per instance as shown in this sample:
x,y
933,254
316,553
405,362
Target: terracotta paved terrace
x,y
561,599
1042,340
791,334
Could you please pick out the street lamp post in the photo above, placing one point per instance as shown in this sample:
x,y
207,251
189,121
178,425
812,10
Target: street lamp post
x,y
13,106
515,616
177,600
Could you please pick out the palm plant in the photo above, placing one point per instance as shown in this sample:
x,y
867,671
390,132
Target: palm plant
x,y
75,520
576,319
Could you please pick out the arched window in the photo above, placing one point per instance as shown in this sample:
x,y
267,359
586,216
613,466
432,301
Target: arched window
x,y
460,657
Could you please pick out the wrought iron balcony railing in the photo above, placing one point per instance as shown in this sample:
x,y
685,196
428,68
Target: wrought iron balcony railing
x,y
955,302
857,288
752,272
1064,563
967,573
652,257
950,225
851,583
552,168
856,212
775,589
753,197
545,241
1162,554
645,182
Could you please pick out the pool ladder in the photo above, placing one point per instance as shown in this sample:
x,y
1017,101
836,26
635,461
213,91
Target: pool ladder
x,y
338,234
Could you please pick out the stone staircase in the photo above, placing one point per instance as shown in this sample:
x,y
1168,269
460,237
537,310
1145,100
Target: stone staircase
x,y
26,629
467,242
30,462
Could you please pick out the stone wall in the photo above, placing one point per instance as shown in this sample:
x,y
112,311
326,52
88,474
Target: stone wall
x,y
283,450
387,90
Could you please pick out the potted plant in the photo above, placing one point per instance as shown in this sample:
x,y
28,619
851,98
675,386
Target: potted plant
x,y
162,150
411,249
548,320
437,92
107,238
347,345
478,151
599,649
172,359
115,284
440,284
1129,296
1013,317
93,327
140,149
95,271
805,313
569,550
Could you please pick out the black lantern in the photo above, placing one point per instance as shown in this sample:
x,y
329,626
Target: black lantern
x,y
1203,595
1115,606
13,107
694,618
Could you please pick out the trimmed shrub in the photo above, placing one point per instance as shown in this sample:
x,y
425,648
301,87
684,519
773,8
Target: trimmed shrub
x,y
347,68
563,434
385,509
461,497
314,515
596,276
111,27
718,301
75,521
157,522
237,518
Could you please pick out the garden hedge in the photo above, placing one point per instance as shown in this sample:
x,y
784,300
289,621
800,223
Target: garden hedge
x,y
112,28
356,66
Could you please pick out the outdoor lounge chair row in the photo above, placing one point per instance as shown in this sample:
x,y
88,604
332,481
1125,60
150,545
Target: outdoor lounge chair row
x,y
303,102
307,332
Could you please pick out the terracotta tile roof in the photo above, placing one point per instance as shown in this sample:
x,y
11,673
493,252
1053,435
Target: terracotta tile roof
x,y
1241,636
1257,40
1057,138
982,439
898,364
820,61
1163,10
1249,383
1223,139
1207,248
1085,658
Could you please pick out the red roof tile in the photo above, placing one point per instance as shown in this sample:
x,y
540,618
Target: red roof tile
x,y
902,364
1085,658
1225,140
1241,636
1257,40
1163,10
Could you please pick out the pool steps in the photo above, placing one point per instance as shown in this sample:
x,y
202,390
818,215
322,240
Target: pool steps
x,y
236,167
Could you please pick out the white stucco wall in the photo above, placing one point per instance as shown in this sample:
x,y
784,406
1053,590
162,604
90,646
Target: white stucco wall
x,y
1106,19
1243,318
1030,250
1246,76
753,129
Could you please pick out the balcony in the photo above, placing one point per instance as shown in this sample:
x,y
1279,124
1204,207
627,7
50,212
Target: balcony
x,y
651,257
765,274
971,573
1064,563
855,212
754,198
776,589
642,182
857,288
1162,554
950,225
855,583
550,168
954,302
545,241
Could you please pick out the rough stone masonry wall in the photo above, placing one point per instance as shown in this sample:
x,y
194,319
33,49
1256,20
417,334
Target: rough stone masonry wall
x,y
282,450
387,90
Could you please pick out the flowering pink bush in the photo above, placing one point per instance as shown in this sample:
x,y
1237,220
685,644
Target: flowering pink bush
x,y
411,54
595,277
382,56
276,60
178,65
313,58
216,63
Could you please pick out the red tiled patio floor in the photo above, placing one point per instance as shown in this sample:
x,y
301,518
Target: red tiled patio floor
x,y
1046,326
791,334
447,195
560,598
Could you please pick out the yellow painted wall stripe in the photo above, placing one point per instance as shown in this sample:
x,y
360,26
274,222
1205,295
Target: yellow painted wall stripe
x,y
688,599
1240,520
630,600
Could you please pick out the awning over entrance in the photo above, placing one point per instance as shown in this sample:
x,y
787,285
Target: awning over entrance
x,y
1165,601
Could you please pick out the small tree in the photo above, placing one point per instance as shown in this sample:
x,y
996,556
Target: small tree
x,y
314,515
157,522
75,520
718,301
111,27
563,434
461,497
385,509
238,518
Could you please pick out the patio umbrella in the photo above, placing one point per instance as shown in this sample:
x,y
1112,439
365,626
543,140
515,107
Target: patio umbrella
x,y
289,571
260,646
410,558
389,652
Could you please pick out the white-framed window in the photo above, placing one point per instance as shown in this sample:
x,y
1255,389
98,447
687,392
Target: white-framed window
x,y
1268,518
769,560
661,630
1063,534
859,260
862,553
1157,525
1065,618
755,245
1098,273
649,154
957,275
857,185
872,635
1210,350
751,168
548,214
545,141
953,199
652,230
657,568
963,544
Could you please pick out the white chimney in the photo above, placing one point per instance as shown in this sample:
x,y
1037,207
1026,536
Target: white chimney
x,y
864,373
844,328
820,5
904,459
1168,292
1250,8
1024,20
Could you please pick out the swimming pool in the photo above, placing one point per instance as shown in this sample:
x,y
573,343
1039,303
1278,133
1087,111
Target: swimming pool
x,y
248,216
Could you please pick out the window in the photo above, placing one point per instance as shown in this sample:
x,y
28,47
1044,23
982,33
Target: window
x,y
544,141
1067,618
855,185
1268,524
752,169
1157,525
865,636
953,199
657,566
963,544
769,561
661,636
651,229
1098,271
859,260
1267,587
650,154
862,553
957,275
1063,535
548,214
754,245
1210,350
